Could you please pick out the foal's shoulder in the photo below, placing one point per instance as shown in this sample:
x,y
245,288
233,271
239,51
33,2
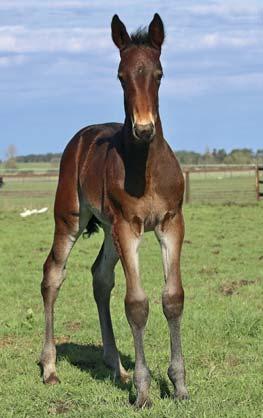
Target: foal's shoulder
x,y
102,130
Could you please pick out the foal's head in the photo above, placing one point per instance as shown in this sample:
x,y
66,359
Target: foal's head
x,y
140,74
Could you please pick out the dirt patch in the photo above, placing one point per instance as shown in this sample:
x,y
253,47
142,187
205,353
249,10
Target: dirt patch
x,y
208,270
6,341
62,339
26,193
231,360
157,301
231,288
60,407
72,325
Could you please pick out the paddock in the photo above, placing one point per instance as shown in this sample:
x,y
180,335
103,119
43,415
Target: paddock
x,y
204,185
222,325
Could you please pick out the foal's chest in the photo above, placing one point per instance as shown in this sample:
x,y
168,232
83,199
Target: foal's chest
x,y
146,196
148,211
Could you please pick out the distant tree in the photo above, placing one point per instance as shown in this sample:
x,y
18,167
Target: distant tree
x,y
240,156
10,161
208,157
188,157
37,158
219,155
259,156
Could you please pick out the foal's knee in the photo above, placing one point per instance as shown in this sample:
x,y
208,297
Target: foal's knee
x,y
137,310
173,303
53,274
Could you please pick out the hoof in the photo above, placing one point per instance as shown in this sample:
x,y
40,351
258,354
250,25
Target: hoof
x,y
119,371
181,395
142,403
52,379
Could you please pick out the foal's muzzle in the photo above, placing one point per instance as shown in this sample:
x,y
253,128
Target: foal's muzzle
x,y
144,132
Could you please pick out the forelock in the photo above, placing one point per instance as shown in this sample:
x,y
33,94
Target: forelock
x,y
141,37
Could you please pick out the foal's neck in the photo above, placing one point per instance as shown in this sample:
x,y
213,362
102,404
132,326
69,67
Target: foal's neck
x,y
140,158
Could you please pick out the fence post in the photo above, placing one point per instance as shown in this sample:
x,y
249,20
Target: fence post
x,y
257,183
187,186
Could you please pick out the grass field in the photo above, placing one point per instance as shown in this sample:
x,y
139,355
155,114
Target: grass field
x,y
222,267
36,167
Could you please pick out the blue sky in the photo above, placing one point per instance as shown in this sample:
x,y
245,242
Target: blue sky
x,y
58,70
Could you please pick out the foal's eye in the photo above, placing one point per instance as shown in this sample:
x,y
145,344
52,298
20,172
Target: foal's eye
x,y
159,75
120,77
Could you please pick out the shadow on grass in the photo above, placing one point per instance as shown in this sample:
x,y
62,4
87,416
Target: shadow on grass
x,y
89,358
164,388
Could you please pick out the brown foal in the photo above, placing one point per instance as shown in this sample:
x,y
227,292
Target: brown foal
x,y
125,178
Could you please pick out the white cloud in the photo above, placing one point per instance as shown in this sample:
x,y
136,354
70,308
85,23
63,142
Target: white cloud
x,y
185,87
196,47
228,39
232,40
67,4
20,39
225,8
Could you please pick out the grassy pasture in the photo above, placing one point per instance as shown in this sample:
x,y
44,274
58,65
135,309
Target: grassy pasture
x,y
36,167
222,267
228,187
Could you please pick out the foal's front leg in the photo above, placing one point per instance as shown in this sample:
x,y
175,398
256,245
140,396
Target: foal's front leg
x,y
127,241
170,235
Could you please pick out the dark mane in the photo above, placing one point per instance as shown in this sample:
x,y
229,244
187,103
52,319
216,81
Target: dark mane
x,y
141,37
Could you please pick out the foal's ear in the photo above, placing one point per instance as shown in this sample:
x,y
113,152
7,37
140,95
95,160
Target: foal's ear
x,y
119,33
156,31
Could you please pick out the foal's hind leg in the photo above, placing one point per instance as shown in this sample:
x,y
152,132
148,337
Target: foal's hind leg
x,y
66,233
171,236
103,283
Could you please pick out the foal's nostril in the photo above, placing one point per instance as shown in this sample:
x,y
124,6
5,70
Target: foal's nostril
x,y
145,132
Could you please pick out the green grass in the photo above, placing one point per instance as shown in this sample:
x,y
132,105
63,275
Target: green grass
x,y
36,167
222,329
17,194
222,188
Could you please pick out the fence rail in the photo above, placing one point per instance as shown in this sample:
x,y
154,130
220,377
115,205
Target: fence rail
x,y
227,183
203,184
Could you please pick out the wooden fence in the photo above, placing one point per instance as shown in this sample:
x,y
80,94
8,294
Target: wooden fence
x,y
203,184
221,184
259,181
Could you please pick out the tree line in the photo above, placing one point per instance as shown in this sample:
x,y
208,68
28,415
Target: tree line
x,y
220,156
216,156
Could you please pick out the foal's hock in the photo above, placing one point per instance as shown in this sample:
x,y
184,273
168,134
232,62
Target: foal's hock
x,y
125,178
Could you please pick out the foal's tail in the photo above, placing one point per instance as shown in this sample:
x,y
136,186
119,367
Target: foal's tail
x,y
93,226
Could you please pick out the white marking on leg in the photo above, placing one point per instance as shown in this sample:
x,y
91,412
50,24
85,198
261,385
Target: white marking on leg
x,y
167,247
